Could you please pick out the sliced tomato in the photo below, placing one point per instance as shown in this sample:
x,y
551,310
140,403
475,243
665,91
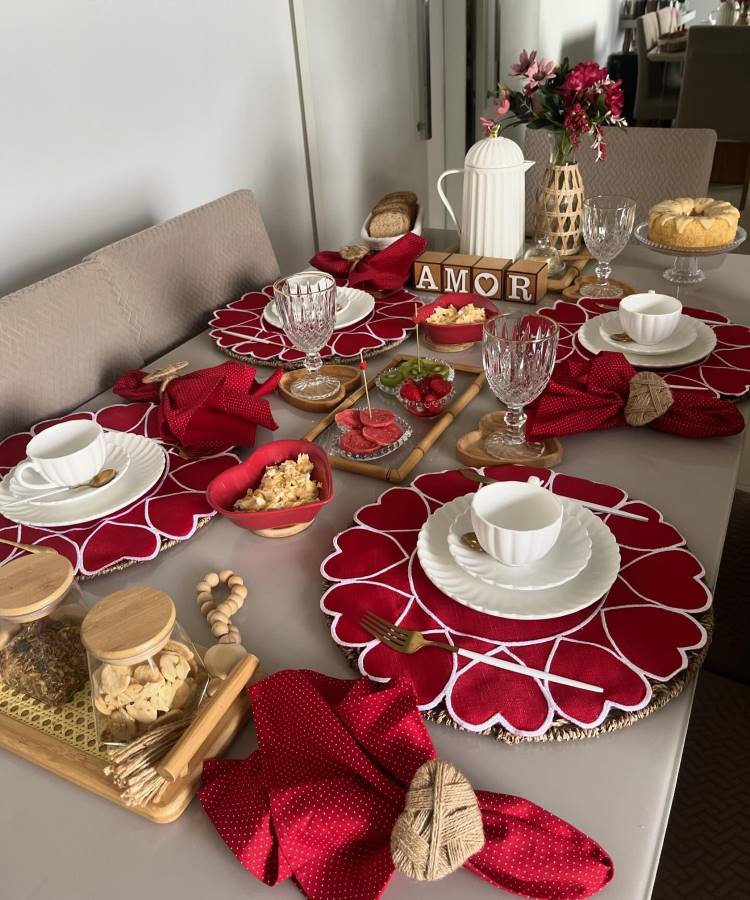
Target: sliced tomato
x,y
355,442
348,418
376,418
383,435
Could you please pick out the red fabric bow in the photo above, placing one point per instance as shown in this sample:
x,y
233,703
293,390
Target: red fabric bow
x,y
387,270
589,395
209,410
318,800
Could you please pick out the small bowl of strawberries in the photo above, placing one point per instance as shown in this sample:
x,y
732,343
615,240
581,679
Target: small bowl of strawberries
x,y
426,397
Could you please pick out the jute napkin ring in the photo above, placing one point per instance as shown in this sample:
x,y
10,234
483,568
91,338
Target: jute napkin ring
x,y
649,398
441,825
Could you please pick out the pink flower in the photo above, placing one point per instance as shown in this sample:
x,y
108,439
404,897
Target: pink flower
x,y
522,66
583,76
503,102
538,74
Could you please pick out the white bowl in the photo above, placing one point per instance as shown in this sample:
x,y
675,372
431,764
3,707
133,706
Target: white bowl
x,y
515,522
376,244
650,318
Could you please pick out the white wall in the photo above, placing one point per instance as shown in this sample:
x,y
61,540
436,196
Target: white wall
x,y
120,113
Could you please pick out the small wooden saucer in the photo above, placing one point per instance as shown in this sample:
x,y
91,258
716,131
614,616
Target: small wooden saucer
x,y
574,291
470,448
348,377
287,531
448,348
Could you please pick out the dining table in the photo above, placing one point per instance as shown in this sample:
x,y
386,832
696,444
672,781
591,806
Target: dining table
x,y
61,841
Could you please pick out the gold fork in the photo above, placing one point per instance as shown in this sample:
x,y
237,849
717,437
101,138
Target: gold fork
x,y
403,640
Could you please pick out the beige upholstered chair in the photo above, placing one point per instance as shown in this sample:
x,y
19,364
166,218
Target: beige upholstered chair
x,y
62,341
716,85
648,164
655,98
171,276
667,17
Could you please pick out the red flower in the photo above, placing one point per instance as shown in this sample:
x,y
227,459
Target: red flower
x,y
583,76
577,122
614,98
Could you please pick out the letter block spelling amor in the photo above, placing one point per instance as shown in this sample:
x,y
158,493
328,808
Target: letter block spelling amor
x,y
428,272
525,281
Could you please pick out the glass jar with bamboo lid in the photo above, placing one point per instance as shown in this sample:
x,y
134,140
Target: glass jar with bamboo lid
x,y
144,669
41,610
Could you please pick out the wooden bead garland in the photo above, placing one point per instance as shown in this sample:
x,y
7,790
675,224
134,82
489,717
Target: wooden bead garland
x,y
219,615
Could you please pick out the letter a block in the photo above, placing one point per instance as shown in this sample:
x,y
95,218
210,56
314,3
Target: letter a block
x,y
487,277
526,281
457,273
428,273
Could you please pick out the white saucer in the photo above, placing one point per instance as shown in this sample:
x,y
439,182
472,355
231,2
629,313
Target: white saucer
x,y
147,461
116,458
565,560
681,337
359,306
589,336
589,585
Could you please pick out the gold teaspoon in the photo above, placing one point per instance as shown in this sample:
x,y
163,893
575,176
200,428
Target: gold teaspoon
x,y
470,540
622,338
99,480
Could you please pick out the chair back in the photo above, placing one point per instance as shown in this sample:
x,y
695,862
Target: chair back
x,y
649,78
647,164
716,81
667,17
63,340
170,277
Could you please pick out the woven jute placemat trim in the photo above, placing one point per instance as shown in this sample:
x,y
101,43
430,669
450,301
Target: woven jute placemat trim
x,y
562,729
126,564
332,360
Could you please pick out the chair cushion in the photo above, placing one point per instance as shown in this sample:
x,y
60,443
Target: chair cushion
x,y
62,341
170,277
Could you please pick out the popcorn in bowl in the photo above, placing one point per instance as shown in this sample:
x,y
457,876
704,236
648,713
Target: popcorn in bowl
x,y
450,315
282,486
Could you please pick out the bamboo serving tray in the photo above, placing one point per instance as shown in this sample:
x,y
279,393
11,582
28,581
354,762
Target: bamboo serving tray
x,y
384,472
64,742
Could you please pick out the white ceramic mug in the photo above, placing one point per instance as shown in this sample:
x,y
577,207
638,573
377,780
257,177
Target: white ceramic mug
x,y
516,522
65,454
649,318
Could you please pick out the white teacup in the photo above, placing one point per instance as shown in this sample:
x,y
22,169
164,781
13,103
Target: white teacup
x,y
516,522
649,318
65,455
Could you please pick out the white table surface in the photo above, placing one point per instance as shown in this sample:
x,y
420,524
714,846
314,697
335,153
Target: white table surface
x,y
58,841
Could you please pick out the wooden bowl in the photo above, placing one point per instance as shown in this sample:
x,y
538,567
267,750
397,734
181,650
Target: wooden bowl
x,y
234,483
455,334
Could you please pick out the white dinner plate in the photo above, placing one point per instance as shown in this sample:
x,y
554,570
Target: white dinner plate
x,y
359,305
681,337
568,557
590,337
589,585
116,458
147,461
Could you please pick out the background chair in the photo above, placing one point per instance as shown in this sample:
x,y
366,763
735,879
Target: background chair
x,y
667,17
62,341
647,164
716,85
655,98
171,276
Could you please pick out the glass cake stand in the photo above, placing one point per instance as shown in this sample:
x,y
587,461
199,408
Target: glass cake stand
x,y
685,269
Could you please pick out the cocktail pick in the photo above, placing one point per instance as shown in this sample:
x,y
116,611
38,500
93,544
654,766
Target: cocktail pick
x,y
416,335
363,367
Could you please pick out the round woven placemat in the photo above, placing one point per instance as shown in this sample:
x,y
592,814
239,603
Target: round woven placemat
x,y
562,729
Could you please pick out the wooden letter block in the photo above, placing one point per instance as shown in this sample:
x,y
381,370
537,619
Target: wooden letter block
x,y
428,273
457,272
525,281
487,276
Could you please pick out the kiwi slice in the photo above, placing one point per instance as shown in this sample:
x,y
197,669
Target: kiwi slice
x,y
392,377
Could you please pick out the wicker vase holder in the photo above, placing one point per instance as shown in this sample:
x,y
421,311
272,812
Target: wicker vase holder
x,y
560,208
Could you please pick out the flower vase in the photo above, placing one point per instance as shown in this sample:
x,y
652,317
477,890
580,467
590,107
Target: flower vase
x,y
559,206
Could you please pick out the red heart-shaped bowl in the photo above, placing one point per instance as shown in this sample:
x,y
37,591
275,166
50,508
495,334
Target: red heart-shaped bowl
x,y
234,483
456,334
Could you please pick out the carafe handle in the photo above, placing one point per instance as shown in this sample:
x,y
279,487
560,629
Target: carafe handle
x,y
445,200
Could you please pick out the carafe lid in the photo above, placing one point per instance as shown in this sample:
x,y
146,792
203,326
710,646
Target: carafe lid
x,y
494,153
129,625
32,584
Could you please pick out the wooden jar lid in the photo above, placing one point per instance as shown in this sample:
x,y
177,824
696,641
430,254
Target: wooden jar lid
x,y
31,583
129,624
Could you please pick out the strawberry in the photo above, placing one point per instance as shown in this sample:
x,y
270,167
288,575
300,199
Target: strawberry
x,y
440,387
424,385
431,407
410,391
429,398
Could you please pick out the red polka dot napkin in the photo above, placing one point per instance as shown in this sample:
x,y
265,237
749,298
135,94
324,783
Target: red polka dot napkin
x,y
318,800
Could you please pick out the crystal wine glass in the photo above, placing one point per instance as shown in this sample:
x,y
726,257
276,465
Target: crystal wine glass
x,y
307,306
607,225
519,354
